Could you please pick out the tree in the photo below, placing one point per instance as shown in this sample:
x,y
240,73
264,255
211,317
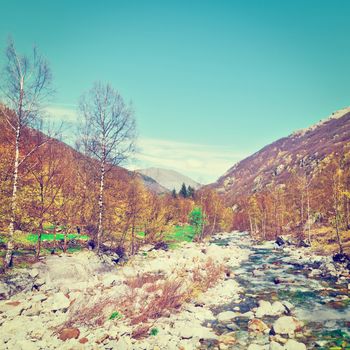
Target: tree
x,y
196,219
183,191
108,135
190,192
173,193
25,84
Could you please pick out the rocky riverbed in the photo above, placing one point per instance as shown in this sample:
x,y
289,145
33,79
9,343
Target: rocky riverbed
x,y
262,298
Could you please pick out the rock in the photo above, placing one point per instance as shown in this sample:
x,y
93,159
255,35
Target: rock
x,y
33,272
255,347
35,309
289,306
257,325
69,333
341,258
187,331
280,241
227,339
83,340
286,325
275,346
58,302
278,308
294,345
226,316
265,308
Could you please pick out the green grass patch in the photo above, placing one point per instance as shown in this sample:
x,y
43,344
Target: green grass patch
x,y
115,315
33,237
180,234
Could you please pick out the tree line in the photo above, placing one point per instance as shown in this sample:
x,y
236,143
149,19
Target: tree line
x,y
312,201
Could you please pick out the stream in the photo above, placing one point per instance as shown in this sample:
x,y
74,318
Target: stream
x,y
270,274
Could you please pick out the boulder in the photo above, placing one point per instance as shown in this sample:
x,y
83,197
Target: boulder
x,y
286,325
275,346
257,325
256,347
226,316
33,272
69,333
278,308
265,308
58,302
292,344
227,339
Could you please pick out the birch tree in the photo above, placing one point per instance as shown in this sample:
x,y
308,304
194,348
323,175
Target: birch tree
x,y
25,85
108,133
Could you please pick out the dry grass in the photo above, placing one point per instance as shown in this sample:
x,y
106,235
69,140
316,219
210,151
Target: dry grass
x,y
139,281
149,297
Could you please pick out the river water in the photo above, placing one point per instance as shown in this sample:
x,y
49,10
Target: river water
x,y
323,304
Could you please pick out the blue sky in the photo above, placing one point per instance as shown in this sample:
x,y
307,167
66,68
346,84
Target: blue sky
x,y
211,81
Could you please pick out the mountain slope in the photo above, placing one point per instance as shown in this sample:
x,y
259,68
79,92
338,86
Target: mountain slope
x,y
169,179
277,161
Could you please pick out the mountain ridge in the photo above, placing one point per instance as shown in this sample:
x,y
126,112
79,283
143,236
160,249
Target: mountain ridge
x,y
168,178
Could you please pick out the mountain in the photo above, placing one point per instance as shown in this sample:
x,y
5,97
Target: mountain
x,y
152,184
169,179
304,149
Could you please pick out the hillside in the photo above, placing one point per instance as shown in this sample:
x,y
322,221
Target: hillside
x,y
169,179
275,162
298,185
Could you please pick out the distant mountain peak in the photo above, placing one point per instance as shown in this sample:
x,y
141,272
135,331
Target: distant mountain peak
x,y
168,178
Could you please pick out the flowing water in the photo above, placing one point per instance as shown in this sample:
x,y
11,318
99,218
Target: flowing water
x,y
323,304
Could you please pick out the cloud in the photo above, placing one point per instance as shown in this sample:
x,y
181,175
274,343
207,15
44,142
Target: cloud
x,y
61,113
204,163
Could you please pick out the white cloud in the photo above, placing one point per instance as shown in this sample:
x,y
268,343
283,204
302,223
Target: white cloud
x,y
65,114
204,163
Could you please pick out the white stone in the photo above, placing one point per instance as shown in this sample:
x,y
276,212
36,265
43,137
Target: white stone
x,y
275,346
33,272
294,345
226,316
58,302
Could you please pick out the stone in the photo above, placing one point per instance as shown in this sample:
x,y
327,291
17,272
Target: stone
x,y
256,325
255,347
289,306
286,325
69,333
227,339
275,346
83,340
226,316
35,309
278,308
294,345
187,331
265,308
58,302
33,272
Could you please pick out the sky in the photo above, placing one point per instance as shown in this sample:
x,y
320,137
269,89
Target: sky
x,y
211,82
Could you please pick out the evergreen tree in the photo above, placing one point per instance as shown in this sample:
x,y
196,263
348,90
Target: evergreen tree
x,y
183,191
190,192
173,193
